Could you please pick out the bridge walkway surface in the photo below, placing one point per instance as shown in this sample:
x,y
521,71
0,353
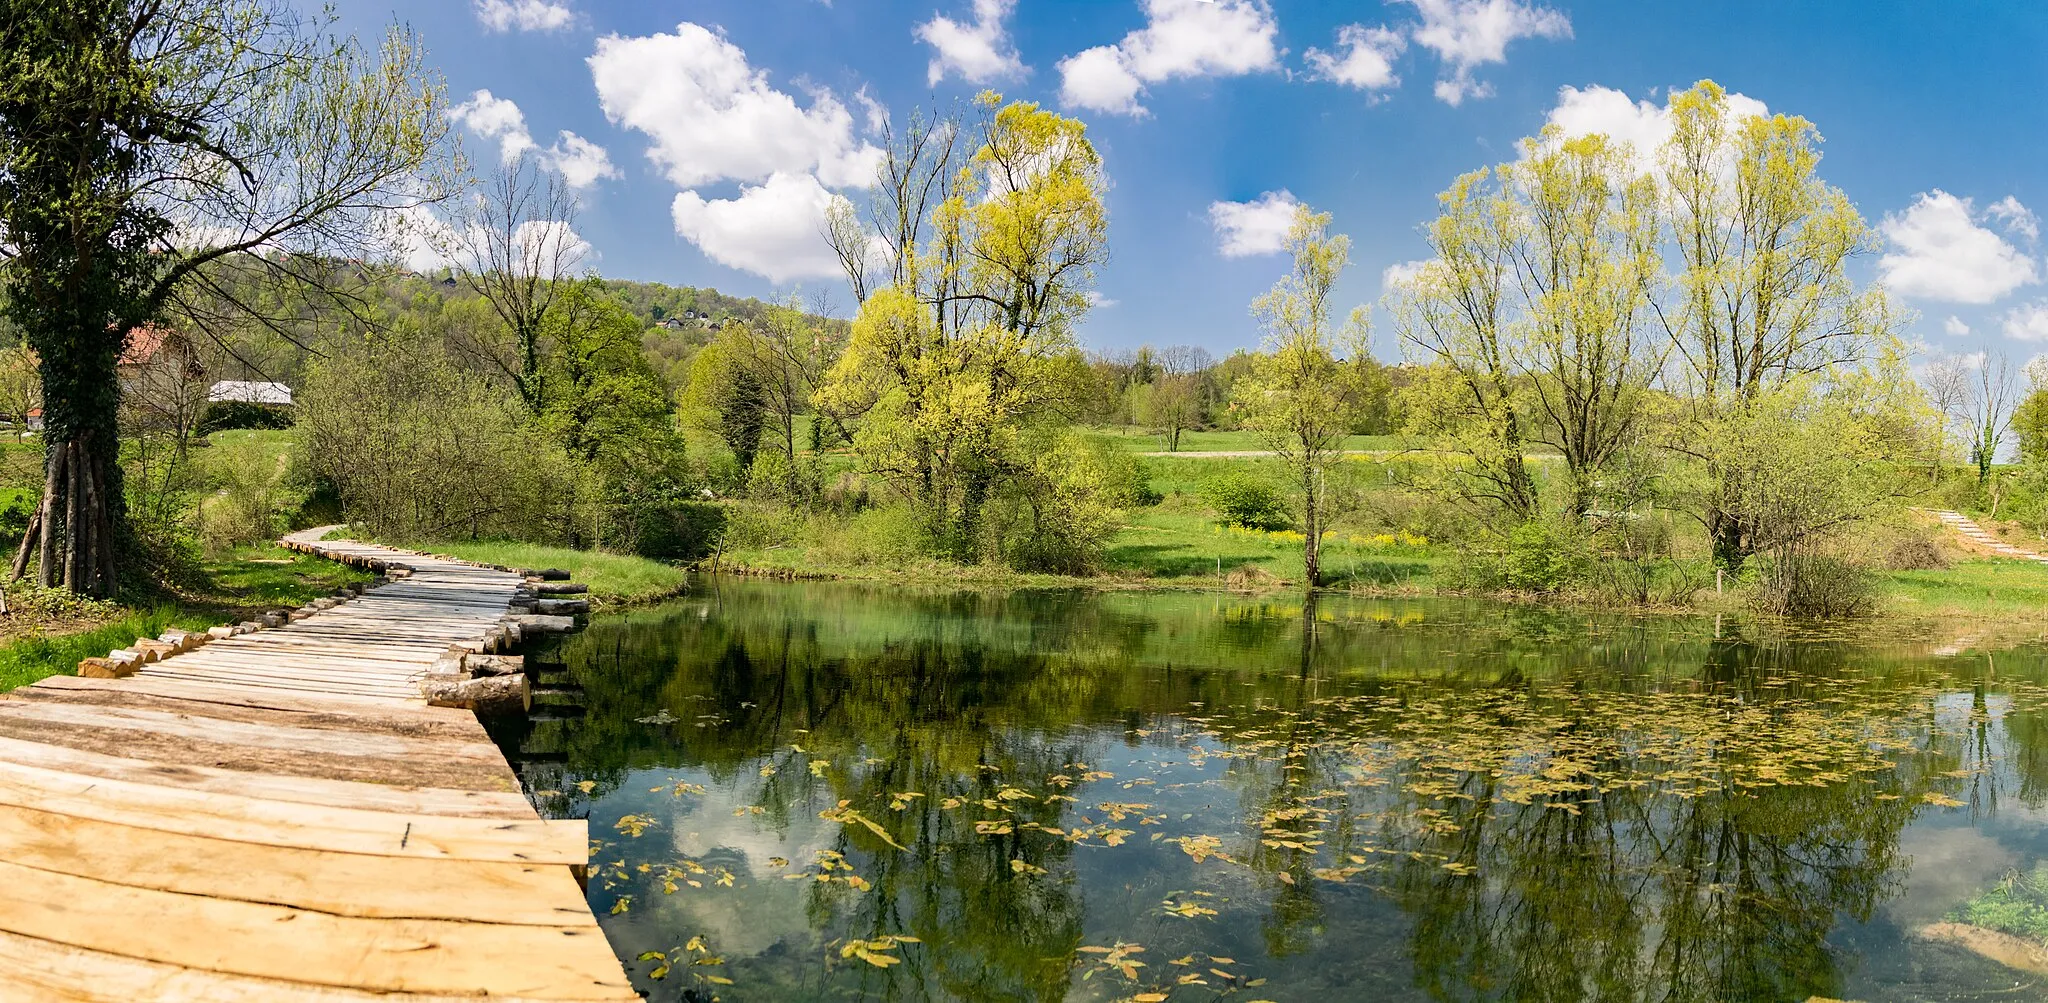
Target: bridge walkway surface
x,y
279,815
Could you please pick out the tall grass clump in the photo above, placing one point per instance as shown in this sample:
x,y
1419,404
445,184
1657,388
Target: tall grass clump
x,y
31,658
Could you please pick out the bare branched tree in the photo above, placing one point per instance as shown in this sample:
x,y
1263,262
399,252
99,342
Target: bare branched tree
x,y
1993,393
514,243
915,176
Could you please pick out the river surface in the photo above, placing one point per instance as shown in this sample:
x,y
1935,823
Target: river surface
x,y
824,791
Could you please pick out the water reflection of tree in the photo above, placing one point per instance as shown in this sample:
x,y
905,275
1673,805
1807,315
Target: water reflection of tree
x,y
1725,895
1622,891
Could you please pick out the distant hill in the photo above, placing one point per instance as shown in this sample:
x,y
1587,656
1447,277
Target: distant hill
x,y
656,302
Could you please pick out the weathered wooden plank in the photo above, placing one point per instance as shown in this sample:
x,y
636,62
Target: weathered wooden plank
x,y
385,797
373,719
171,750
401,686
203,692
345,884
366,662
278,942
266,735
295,824
33,969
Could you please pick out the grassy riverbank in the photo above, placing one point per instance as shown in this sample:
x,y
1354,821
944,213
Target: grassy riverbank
x,y
46,634
1177,545
613,578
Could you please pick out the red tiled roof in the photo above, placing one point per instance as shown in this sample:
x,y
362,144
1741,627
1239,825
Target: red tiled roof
x,y
143,344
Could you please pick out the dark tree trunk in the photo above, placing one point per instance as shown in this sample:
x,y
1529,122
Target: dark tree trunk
x,y
1312,531
1732,546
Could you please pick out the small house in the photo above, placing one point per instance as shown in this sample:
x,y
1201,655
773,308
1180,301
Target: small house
x,y
250,392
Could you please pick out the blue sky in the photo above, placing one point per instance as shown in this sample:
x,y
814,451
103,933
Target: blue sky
x,y
704,133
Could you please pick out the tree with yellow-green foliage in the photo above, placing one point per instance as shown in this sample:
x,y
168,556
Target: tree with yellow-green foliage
x,y
1763,294
1536,317
1456,313
1301,399
1590,297
962,366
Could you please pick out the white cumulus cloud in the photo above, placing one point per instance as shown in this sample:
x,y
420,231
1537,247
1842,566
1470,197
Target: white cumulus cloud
x,y
494,119
1364,58
1644,125
1401,272
1954,327
580,161
524,15
978,51
771,229
425,242
1246,229
1098,79
1181,38
2016,218
713,117
1468,34
2027,322
1940,252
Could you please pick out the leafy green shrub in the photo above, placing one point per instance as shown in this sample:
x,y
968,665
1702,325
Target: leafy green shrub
x,y
1242,499
1127,478
241,414
1537,558
751,526
243,505
1065,509
1541,559
1817,586
677,531
886,535
14,521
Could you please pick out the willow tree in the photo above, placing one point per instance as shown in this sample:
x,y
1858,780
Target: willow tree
x,y
1537,314
1457,314
1764,296
1299,398
967,350
142,141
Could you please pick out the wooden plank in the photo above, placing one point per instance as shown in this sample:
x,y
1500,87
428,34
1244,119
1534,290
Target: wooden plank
x,y
469,774
394,689
366,662
345,884
271,786
289,668
320,741
33,969
401,722
288,644
277,942
287,823
236,696
284,640
208,829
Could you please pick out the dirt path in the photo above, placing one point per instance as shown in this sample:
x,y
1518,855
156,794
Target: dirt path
x,y
1985,541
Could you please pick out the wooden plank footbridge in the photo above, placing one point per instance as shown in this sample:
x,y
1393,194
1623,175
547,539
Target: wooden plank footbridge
x,y
276,812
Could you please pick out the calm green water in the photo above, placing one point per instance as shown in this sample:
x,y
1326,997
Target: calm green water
x,y
1090,796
